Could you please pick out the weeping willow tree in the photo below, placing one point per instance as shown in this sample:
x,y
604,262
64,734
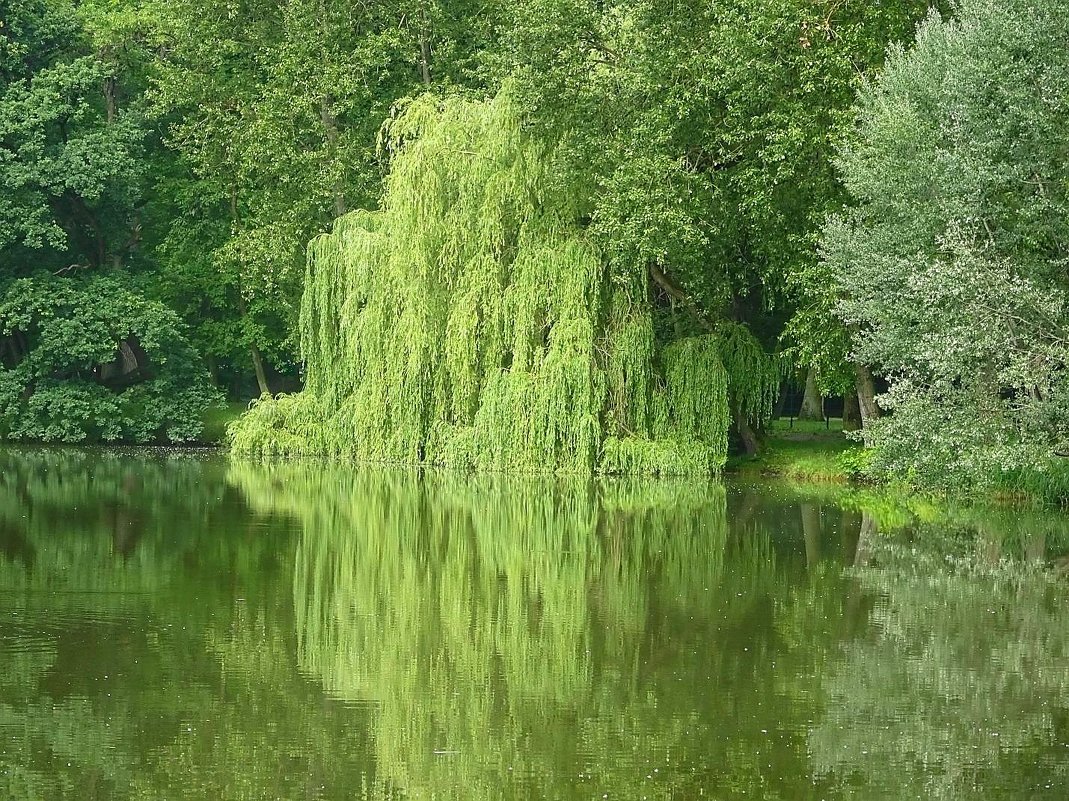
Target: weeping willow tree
x,y
470,323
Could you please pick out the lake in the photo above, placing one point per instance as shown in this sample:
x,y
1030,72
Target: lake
x,y
178,626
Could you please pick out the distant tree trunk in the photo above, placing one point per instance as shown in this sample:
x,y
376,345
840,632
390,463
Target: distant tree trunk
x,y
781,401
750,443
811,533
866,395
330,132
812,400
424,49
257,358
261,374
851,412
111,98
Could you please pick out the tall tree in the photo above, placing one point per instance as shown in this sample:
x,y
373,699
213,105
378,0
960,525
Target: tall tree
x,y
70,158
83,354
704,134
273,110
952,264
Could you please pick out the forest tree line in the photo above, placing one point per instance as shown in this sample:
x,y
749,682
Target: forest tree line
x,y
876,192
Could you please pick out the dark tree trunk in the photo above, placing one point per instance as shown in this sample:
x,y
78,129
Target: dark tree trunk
x,y
257,358
851,412
424,49
781,401
812,400
111,98
261,374
866,395
750,443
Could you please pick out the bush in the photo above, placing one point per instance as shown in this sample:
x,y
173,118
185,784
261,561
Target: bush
x,y
89,360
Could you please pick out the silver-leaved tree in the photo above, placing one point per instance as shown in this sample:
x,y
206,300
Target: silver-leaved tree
x,y
952,264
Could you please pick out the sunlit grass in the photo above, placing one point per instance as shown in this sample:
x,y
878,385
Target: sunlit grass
x,y
803,450
217,418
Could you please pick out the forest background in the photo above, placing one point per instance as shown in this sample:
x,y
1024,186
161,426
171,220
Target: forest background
x,y
875,191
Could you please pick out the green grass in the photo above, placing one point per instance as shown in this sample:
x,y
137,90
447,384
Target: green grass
x,y
217,418
1045,483
817,453
805,451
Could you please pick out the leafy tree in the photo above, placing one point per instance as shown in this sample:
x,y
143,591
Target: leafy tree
x,y
88,359
84,355
471,324
952,264
273,110
703,133
70,159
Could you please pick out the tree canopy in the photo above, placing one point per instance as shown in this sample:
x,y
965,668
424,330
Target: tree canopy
x,y
472,323
744,173
951,267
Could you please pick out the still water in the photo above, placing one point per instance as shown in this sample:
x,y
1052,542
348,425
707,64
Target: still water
x,y
181,627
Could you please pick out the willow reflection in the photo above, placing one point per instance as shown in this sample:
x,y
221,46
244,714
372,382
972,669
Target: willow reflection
x,y
477,614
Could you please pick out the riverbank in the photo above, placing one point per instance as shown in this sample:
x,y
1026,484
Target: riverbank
x,y
217,418
804,451
807,453
820,453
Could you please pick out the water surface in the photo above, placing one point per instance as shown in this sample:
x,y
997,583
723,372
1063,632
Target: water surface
x,y
182,627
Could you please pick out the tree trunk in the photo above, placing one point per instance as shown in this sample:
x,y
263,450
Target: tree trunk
x,y
750,444
330,133
851,412
781,401
866,395
261,374
257,359
812,400
111,98
811,533
424,49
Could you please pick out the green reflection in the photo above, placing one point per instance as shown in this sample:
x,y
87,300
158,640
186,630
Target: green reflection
x,y
531,637
959,687
146,637
174,627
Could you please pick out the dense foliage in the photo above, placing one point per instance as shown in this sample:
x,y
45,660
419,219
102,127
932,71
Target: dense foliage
x,y
952,267
87,359
84,354
691,153
470,323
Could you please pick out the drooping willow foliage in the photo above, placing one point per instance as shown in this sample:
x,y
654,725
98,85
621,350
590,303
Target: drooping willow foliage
x,y
470,323
755,375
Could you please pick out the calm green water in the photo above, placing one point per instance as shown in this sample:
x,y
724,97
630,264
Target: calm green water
x,y
175,627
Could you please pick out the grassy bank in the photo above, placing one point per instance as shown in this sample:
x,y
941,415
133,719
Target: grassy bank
x,y
804,451
217,418
818,453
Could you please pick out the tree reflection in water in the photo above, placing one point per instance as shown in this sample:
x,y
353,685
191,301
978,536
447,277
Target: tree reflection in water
x,y
180,628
